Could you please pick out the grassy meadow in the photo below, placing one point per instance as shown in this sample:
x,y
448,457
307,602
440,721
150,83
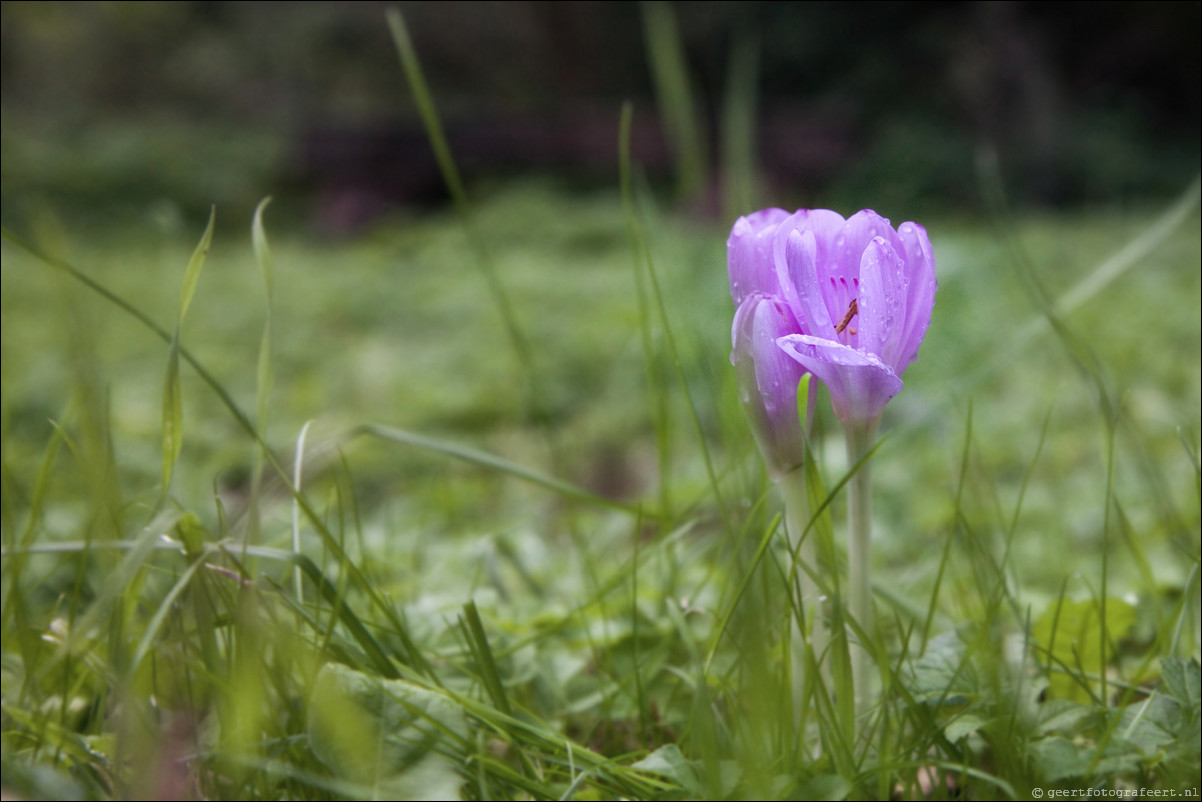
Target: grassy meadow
x,y
533,552
465,505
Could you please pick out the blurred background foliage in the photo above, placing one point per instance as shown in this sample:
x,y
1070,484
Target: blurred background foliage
x,y
166,108
1051,149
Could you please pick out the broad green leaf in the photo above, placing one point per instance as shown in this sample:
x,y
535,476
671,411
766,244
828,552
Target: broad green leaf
x,y
945,674
1069,631
824,788
666,760
1058,758
963,726
391,735
1152,724
1062,715
1182,681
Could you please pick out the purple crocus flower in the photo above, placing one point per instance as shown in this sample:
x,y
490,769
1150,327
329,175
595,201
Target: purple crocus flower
x,y
846,300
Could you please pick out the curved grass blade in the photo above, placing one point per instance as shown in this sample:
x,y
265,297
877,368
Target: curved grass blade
x,y
640,241
173,408
495,463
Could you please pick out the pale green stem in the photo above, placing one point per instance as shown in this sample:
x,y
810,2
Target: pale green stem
x,y
797,513
859,556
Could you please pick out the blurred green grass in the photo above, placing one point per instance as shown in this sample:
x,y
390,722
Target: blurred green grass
x,y
397,328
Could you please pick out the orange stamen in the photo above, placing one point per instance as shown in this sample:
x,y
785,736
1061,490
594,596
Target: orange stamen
x,y
852,309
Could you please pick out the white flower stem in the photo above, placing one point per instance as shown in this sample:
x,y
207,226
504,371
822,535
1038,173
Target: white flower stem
x,y
797,515
859,557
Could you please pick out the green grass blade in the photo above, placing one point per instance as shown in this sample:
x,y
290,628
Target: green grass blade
x,y
656,390
14,606
738,128
329,593
450,174
166,605
947,544
486,664
258,239
492,462
297,470
173,414
661,308
192,274
724,622
669,68
264,379
425,105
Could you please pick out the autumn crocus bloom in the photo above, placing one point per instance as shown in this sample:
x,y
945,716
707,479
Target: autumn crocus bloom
x,y
849,302
860,294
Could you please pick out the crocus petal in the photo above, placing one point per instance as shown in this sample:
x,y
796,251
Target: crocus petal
x,y
862,228
801,292
920,290
768,380
881,301
823,226
860,384
749,254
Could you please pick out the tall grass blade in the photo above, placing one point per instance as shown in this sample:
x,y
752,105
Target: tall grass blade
x,y
656,390
485,662
738,128
957,515
358,630
264,379
173,413
195,264
662,312
724,622
173,407
297,467
450,174
682,127
492,462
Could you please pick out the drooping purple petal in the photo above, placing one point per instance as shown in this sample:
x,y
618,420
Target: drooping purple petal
x,y
768,379
749,254
860,384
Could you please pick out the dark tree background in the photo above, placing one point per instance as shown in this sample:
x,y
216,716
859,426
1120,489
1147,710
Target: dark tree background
x,y
124,104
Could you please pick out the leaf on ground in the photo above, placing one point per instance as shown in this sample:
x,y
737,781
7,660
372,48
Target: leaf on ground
x,y
963,726
390,735
1070,632
1182,681
824,788
1062,715
668,761
944,674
